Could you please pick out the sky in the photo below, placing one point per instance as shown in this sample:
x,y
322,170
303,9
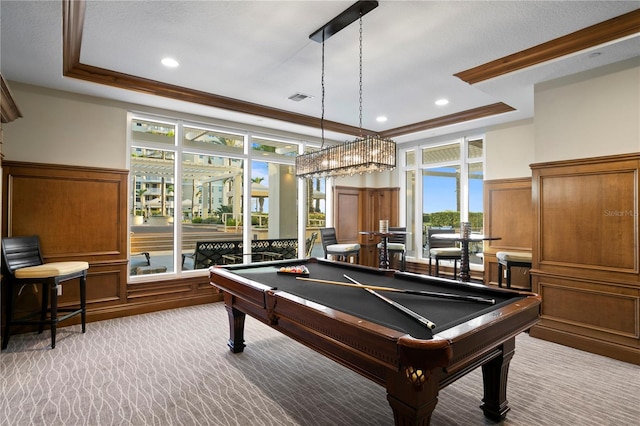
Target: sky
x,y
439,194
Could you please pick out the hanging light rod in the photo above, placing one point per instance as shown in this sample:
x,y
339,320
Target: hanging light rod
x,y
343,20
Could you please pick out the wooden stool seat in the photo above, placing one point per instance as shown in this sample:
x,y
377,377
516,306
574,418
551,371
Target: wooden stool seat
x,y
510,259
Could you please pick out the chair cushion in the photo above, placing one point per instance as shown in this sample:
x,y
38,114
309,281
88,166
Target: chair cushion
x,y
514,256
343,248
53,269
393,246
445,251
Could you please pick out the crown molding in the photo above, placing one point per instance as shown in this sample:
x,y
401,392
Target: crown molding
x,y
73,21
595,35
8,107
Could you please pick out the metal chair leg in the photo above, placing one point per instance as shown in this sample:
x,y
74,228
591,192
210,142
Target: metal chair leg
x,y
7,326
54,312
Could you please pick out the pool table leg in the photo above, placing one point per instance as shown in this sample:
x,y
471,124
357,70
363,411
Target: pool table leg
x,y
412,406
236,327
494,374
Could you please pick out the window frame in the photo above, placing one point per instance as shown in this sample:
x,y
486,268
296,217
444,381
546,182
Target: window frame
x,y
248,155
415,245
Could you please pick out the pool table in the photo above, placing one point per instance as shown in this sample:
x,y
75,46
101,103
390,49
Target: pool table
x,y
379,341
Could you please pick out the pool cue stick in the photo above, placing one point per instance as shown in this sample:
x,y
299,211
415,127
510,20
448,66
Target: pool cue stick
x,y
422,320
414,292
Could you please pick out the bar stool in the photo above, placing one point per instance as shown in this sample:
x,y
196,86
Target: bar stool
x,y
443,250
510,259
340,251
22,264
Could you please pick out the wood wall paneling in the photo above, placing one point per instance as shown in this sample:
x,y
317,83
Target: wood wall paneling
x,y
586,254
80,213
511,217
600,310
67,213
508,215
346,208
589,220
361,209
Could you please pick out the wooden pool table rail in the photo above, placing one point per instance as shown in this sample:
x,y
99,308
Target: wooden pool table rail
x,y
412,370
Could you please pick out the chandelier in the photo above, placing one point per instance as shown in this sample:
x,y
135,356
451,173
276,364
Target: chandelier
x,y
364,154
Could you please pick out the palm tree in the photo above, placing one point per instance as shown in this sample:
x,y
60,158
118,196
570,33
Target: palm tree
x,y
140,194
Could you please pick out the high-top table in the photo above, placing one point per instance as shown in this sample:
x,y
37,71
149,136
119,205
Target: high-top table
x,y
464,274
383,254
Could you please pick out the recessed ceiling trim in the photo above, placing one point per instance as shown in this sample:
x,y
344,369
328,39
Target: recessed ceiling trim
x,y
73,21
447,120
612,29
72,25
8,109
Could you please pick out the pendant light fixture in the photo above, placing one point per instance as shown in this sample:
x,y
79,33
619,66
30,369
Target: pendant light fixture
x,y
365,153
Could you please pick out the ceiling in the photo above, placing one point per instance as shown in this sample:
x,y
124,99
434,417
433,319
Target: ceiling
x,y
241,60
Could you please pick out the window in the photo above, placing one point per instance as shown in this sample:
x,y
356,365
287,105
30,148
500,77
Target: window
x,y
211,202
152,165
193,183
450,191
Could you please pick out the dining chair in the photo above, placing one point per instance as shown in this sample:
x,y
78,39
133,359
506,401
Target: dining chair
x,y
331,246
443,250
396,244
22,264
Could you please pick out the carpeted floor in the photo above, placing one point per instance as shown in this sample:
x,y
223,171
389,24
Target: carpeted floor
x,y
174,368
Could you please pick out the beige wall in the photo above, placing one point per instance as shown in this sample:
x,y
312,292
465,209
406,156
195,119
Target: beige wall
x,y
387,179
63,128
590,114
509,150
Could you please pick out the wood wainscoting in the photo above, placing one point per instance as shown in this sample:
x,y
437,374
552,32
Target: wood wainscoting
x,y
508,215
586,254
361,209
80,213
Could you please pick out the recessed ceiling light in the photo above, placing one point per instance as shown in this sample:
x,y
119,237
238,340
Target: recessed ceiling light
x,y
381,119
441,102
170,62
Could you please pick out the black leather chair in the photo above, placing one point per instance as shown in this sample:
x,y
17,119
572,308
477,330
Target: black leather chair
x,y
22,264
340,251
443,249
